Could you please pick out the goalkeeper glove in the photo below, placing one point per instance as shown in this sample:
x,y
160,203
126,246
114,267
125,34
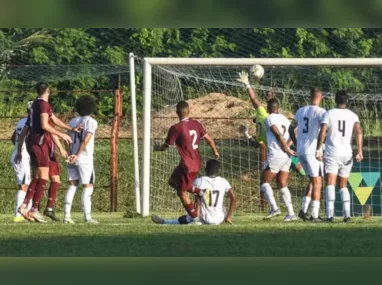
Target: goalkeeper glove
x,y
243,78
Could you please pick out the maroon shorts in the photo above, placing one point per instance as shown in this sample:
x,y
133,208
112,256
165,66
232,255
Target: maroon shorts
x,y
182,180
40,155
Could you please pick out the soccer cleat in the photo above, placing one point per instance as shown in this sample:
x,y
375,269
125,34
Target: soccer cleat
x,y
195,222
91,221
347,220
156,219
315,220
290,218
23,210
330,220
69,221
50,214
37,216
273,214
303,216
19,219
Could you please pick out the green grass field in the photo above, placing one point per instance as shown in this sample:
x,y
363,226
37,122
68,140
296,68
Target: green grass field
x,y
249,236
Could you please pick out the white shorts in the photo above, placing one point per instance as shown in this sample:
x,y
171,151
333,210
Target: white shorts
x,y
311,166
275,165
22,170
340,165
83,172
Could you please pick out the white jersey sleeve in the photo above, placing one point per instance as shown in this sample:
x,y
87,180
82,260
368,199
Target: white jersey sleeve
x,y
340,124
19,127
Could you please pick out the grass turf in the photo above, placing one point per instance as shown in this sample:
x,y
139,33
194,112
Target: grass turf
x,y
249,236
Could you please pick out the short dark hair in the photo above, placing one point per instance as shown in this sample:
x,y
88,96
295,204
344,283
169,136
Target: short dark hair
x,y
41,87
272,103
182,105
341,97
212,167
85,105
313,91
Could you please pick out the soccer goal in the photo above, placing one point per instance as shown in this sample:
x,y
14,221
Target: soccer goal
x,y
222,104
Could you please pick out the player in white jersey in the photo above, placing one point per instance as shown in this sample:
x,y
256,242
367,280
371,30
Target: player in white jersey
x,y
278,161
210,211
22,168
81,163
338,126
308,120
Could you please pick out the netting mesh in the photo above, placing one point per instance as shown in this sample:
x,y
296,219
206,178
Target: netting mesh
x,y
221,103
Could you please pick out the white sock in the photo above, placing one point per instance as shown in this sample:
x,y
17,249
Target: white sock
x,y
268,192
171,222
287,199
69,196
330,197
30,205
315,209
20,196
345,197
87,202
305,203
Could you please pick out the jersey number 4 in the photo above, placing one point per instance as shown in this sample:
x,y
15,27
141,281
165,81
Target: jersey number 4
x,y
341,127
212,196
194,136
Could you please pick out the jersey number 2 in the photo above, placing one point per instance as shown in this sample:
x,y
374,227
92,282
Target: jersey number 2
x,y
194,136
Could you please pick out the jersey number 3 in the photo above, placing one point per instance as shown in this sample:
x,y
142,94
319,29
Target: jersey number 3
x,y
305,130
194,136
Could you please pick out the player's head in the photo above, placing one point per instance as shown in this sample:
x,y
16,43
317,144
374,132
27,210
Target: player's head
x,y
315,96
85,105
341,97
182,109
212,167
269,95
42,89
273,106
29,106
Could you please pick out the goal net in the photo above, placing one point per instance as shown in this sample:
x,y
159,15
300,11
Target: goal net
x,y
222,104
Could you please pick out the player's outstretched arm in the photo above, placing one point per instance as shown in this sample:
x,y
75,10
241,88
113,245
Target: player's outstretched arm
x,y
48,128
62,150
243,78
20,143
232,206
359,141
212,145
62,125
320,141
281,140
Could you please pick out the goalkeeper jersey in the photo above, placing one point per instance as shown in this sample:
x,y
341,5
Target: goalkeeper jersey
x,y
261,115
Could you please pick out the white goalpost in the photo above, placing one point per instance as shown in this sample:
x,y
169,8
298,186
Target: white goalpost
x,y
221,103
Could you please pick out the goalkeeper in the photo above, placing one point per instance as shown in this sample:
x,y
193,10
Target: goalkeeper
x,y
261,115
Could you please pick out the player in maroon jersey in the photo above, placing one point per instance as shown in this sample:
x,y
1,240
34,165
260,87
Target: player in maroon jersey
x,y
40,122
186,136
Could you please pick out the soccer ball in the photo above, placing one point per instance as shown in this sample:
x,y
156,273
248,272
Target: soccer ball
x,y
257,70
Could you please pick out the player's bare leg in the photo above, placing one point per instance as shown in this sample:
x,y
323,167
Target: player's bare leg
x,y
69,196
53,189
345,197
306,201
330,195
316,198
266,188
283,178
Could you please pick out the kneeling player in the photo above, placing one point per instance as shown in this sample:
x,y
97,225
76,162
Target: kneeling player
x,y
211,210
278,162
81,162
